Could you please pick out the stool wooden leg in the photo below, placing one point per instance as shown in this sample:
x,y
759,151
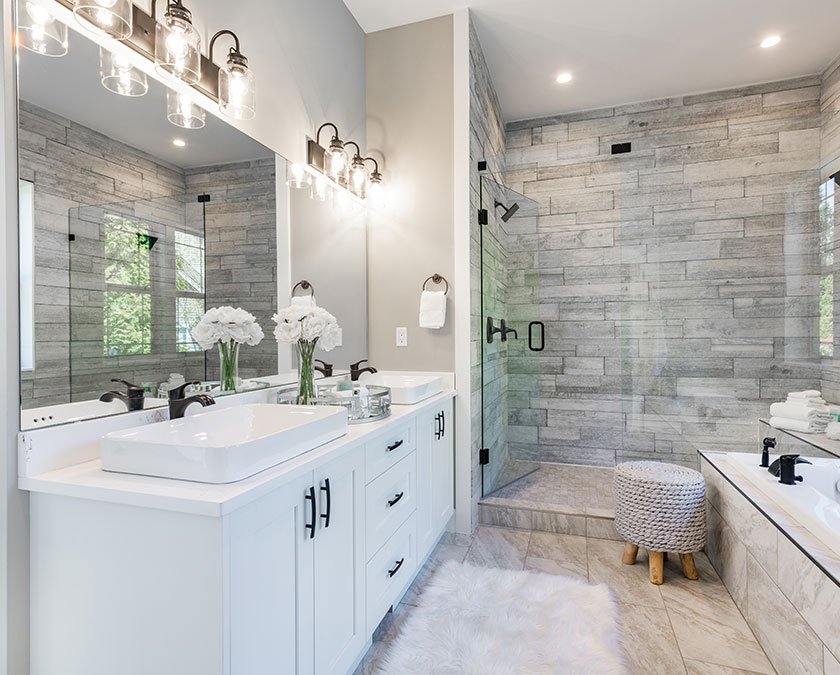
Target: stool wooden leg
x,y
630,553
689,568
655,565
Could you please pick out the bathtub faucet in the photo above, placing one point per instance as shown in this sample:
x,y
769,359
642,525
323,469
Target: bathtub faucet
x,y
784,469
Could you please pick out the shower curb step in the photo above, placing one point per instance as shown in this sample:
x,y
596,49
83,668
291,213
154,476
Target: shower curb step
x,y
548,520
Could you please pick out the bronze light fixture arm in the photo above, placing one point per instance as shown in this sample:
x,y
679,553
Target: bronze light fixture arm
x,y
321,128
233,50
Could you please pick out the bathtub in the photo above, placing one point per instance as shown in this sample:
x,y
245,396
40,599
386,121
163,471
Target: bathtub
x,y
814,503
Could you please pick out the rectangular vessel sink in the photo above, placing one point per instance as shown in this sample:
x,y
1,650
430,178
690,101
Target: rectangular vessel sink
x,y
407,389
222,446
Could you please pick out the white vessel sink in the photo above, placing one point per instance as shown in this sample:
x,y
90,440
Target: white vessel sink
x,y
222,446
406,389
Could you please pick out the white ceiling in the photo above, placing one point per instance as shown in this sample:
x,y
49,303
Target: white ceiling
x,y
70,86
624,51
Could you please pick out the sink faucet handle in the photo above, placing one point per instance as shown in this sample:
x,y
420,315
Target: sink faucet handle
x,y
181,390
132,390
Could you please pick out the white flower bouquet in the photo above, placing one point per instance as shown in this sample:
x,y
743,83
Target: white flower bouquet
x,y
228,327
307,326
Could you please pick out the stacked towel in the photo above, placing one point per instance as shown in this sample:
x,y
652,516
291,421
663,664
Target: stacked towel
x,y
432,309
804,411
303,301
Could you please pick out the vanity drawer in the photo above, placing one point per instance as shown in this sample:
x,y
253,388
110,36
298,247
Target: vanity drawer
x,y
390,571
386,450
389,501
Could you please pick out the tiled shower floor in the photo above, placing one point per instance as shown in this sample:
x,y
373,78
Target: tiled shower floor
x,y
562,498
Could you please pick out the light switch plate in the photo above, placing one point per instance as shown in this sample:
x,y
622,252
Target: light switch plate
x,y
402,337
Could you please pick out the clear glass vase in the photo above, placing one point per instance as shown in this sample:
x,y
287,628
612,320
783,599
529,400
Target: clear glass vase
x,y
306,373
229,365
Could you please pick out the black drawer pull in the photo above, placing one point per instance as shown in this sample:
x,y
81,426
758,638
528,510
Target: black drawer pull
x,y
397,568
442,423
326,515
396,498
311,499
395,446
438,427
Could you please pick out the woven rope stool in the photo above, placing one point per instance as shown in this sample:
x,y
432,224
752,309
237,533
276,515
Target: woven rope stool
x,y
660,507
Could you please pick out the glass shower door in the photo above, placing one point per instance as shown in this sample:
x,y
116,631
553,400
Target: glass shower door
x,y
512,343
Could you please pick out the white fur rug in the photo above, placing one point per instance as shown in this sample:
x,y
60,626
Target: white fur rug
x,y
480,621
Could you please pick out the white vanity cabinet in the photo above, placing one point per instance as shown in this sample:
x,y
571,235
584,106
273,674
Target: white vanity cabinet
x,y
296,590
435,474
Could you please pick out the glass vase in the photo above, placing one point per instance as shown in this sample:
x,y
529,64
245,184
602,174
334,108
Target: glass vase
x,y
228,365
306,373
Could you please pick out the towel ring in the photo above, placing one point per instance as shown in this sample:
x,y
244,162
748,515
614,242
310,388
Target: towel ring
x,y
436,279
305,285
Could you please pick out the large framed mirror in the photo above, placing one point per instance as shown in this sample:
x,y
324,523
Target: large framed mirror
x,y
131,227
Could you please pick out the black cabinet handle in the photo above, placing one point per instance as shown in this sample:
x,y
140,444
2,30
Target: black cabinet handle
x,y
326,515
311,499
442,423
396,498
397,568
438,432
541,326
395,446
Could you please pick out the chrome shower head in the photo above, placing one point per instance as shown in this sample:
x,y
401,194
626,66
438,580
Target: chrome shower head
x,y
509,210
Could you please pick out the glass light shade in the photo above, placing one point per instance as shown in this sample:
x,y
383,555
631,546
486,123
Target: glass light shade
x,y
178,46
182,112
237,96
38,31
358,181
119,76
376,192
111,17
336,161
299,178
320,189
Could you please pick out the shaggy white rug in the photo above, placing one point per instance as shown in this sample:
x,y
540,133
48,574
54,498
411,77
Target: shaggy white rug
x,y
480,621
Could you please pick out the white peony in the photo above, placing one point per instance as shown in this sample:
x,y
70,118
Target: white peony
x,y
330,337
288,332
223,324
307,324
313,327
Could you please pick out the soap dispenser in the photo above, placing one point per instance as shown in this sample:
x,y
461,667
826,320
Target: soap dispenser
x,y
765,453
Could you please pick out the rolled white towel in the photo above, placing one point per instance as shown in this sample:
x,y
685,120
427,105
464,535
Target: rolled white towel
x,y
810,402
432,309
801,426
796,411
808,393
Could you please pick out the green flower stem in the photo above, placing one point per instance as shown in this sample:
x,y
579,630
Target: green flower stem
x,y
229,365
306,373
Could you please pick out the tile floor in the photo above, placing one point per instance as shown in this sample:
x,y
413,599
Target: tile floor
x,y
683,626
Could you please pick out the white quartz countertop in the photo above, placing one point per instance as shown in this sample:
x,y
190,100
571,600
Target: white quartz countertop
x,y
88,481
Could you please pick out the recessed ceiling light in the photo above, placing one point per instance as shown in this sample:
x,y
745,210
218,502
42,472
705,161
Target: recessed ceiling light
x,y
770,41
563,78
179,142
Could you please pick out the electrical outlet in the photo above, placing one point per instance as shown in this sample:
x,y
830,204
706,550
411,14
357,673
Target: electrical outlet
x,y
402,337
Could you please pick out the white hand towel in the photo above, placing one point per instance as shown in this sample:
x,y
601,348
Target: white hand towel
x,y
810,402
432,309
808,393
797,425
795,411
303,301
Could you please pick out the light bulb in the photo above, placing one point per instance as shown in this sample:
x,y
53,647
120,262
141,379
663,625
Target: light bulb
x,y
39,32
182,111
178,45
119,76
111,17
299,177
237,97
320,188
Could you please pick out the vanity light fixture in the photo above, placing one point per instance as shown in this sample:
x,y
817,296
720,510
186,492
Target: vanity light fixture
x,y
320,188
358,176
182,111
332,160
119,76
38,31
298,177
237,95
376,192
177,43
114,18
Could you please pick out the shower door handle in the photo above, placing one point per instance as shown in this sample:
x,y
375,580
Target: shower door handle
x,y
541,326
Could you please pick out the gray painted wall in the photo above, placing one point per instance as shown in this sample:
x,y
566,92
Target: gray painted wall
x,y
410,122
678,283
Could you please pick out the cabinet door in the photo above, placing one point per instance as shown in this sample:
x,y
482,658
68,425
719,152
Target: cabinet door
x,y
443,469
339,564
428,428
271,602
